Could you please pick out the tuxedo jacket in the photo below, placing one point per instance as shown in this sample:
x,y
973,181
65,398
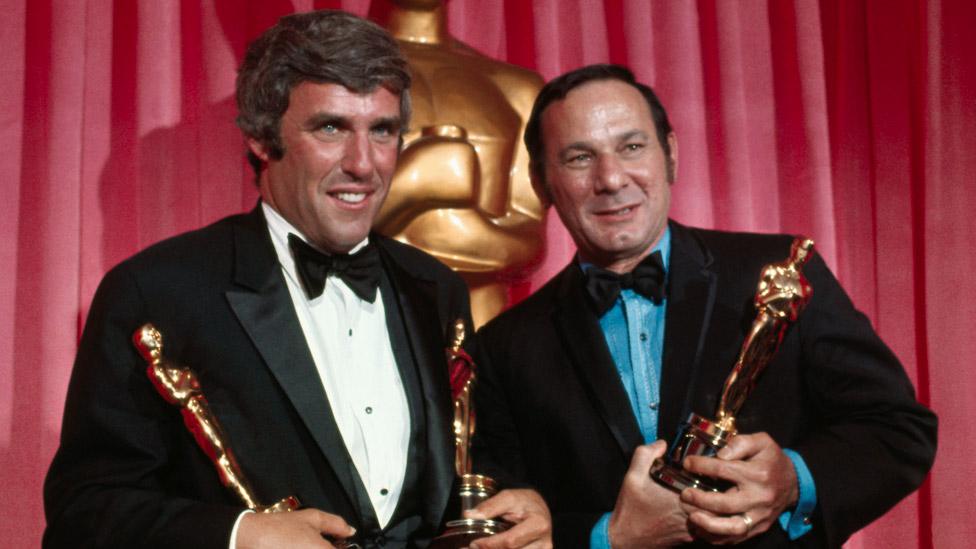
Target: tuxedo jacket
x,y
129,474
553,413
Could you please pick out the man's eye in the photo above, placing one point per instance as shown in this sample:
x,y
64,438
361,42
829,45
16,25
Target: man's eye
x,y
632,148
329,128
382,131
578,159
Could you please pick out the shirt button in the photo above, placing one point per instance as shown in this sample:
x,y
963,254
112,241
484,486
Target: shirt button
x,y
350,332
806,520
643,336
384,492
369,409
652,406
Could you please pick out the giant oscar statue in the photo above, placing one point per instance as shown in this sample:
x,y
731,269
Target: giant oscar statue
x,y
462,191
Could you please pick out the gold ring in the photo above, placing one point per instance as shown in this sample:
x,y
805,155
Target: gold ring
x,y
748,520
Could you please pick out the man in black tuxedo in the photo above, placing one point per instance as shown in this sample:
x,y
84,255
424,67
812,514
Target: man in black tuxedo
x,y
319,345
581,384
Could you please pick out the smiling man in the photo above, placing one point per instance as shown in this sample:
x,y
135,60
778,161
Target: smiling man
x,y
319,345
342,149
580,383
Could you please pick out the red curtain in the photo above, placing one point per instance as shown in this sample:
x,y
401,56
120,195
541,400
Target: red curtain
x,y
850,121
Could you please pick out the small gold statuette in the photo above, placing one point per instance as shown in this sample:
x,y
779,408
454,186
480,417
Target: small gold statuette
x,y
180,387
474,488
781,296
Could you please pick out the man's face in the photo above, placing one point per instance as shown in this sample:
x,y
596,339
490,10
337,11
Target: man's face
x,y
340,152
606,172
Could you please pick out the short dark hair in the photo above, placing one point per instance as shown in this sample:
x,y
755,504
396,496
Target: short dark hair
x,y
557,90
325,46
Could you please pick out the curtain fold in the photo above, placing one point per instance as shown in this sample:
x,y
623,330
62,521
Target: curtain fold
x,y
849,121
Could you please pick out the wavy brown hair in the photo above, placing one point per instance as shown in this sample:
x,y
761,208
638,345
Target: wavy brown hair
x,y
323,47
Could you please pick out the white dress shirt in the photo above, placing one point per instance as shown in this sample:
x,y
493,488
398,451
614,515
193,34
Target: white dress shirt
x,y
350,344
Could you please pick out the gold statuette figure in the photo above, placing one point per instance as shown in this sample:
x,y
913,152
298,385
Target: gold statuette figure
x,y
474,488
782,295
461,191
180,387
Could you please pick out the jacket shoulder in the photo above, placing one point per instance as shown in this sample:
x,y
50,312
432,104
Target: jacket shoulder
x,y
186,264
734,244
206,243
415,260
528,313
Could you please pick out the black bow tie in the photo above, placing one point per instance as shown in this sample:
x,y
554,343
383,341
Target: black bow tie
x,y
647,279
360,271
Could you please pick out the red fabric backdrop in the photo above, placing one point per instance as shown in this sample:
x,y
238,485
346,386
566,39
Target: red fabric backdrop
x,y
850,121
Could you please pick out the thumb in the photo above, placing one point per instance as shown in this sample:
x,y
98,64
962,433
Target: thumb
x,y
743,447
645,455
332,525
491,507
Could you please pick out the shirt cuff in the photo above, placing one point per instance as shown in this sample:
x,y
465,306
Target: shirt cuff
x,y
600,534
233,531
797,522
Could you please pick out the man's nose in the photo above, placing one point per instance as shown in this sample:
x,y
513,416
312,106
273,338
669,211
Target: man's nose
x,y
357,159
610,175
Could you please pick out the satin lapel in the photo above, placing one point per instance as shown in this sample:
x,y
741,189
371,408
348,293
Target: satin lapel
x,y
264,308
579,329
691,296
416,296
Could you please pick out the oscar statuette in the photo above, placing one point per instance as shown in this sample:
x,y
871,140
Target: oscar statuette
x,y
473,488
781,296
180,387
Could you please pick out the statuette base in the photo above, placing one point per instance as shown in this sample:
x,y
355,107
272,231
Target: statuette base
x,y
697,437
460,533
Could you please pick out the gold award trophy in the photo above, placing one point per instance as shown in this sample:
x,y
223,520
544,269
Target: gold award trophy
x,y
180,387
461,191
474,488
782,294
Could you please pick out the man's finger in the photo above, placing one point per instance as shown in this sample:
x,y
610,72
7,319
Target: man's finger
x,y
525,508
744,447
329,524
739,447
644,456
719,503
502,503
732,471
734,526
519,535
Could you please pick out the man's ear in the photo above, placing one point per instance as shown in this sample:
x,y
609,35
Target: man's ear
x,y
540,187
673,157
258,149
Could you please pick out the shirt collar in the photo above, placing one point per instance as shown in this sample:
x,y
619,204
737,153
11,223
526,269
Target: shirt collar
x,y
280,228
